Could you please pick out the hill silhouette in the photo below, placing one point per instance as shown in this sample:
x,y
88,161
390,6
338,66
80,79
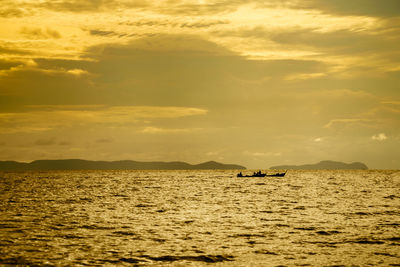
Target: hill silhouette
x,y
324,165
79,164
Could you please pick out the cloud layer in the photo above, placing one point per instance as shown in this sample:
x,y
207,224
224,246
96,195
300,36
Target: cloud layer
x,y
258,83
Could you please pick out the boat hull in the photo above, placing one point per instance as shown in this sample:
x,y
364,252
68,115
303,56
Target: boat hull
x,y
243,176
263,175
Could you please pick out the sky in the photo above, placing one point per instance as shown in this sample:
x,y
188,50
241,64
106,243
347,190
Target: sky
x,y
256,83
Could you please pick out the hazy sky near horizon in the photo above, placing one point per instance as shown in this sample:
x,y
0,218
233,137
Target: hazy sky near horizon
x,y
257,83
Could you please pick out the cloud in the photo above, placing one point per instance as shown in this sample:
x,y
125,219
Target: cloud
x,y
176,22
46,118
188,8
64,143
157,130
9,50
38,33
77,72
86,6
262,154
379,137
10,12
392,102
45,142
335,122
354,7
247,68
305,76
213,153
107,33
182,43
375,49
103,33
190,71
32,85
351,48
203,24
104,140
77,5
343,41
6,64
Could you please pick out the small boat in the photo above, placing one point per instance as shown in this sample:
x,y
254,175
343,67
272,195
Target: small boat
x,y
260,174
277,174
255,174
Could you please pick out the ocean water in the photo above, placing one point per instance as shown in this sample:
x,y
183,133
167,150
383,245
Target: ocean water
x,y
196,218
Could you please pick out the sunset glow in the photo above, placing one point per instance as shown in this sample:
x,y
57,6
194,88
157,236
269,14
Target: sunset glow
x,y
258,83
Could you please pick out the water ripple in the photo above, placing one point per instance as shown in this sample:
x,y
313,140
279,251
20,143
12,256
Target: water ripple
x,y
179,218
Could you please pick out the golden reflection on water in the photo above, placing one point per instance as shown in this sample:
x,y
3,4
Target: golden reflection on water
x,y
199,217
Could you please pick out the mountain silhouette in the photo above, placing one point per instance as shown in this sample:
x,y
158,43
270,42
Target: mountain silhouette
x,y
324,165
79,164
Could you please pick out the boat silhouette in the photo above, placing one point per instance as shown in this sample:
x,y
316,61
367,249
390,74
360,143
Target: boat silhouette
x,y
260,174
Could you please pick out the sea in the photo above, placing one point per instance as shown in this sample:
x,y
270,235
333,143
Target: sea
x,y
200,218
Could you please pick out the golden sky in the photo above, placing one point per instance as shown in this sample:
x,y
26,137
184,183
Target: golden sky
x,y
257,83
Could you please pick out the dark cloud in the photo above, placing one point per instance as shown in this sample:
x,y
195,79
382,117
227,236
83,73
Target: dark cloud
x,y
106,33
383,8
10,12
378,44
91,5
52,33
199,24
38,33
46,63
64,143
104,140
243,98
50,141
188,70
13,51
102,33
16,9
194,9
45,142
77,5
203,24
161,44
177,70
145,22
34,86
339,42
8,64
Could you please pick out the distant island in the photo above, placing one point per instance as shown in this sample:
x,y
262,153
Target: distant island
x,y
324,165
79,164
